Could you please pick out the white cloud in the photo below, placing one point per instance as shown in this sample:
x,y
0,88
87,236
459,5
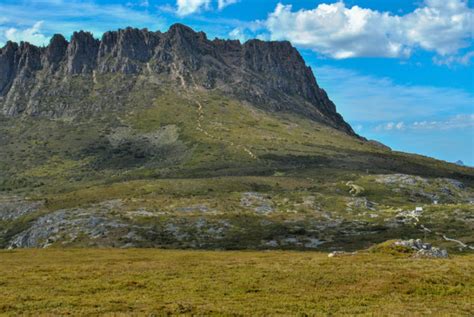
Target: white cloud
x,y
451,60
441,26
238,34
186,7
32,35
400,126
221,4
391,126
369,99
461,121
68,16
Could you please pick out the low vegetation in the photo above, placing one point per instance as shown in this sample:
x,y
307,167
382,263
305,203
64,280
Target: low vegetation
x,y
197,169
86,282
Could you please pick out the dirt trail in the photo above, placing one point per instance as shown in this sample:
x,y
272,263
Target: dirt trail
x,y
174,70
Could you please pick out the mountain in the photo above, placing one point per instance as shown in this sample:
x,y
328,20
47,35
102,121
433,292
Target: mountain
x,y
36,81
460,163
150,139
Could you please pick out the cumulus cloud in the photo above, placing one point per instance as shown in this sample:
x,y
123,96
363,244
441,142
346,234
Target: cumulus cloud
x,y
187,7
335,30
32,34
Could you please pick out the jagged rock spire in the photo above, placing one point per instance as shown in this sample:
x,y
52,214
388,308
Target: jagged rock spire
x,y
270,75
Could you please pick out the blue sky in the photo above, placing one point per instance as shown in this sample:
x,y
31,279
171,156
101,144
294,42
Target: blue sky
x,y
399,71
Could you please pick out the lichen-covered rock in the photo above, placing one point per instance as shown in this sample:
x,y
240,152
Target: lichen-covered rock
x,y
422,250
68,226
12,208
432,190
257,201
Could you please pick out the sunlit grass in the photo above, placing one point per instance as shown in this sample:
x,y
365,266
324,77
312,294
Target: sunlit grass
x,y
85,281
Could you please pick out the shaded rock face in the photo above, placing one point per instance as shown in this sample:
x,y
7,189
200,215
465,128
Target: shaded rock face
x,y
56,51
82,53
270,75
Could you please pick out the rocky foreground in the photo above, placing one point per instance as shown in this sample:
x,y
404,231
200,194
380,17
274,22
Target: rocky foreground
x,y
251,220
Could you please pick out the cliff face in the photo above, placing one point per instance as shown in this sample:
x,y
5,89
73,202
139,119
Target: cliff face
x,y
37,81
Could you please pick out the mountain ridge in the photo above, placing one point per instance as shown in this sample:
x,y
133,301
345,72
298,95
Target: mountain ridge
x,y
272,75
149,139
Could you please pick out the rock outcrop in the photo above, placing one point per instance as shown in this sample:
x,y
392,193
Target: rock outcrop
x,y
51,81
421,249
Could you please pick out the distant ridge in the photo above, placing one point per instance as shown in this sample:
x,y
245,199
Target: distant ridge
x,y
460,163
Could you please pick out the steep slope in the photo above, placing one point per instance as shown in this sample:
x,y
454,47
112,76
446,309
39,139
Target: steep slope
x,y
41,81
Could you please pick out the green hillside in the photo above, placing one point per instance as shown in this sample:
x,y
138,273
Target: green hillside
x,y
193,168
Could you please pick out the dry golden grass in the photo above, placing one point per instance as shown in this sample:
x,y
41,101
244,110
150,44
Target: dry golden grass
x,y
92,282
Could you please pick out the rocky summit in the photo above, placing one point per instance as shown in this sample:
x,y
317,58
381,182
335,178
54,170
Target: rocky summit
x,y
36,81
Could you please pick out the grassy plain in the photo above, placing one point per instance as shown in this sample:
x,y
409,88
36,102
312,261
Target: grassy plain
x,y
162,282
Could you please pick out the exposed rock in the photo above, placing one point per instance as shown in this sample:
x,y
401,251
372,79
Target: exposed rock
x,y
340,253
55,51
67,226
433,190
457,184
409,216
8,65
82,53
270,75
400,179
354,189
12,208
258,202
271,243
361,202
313,243
422,250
